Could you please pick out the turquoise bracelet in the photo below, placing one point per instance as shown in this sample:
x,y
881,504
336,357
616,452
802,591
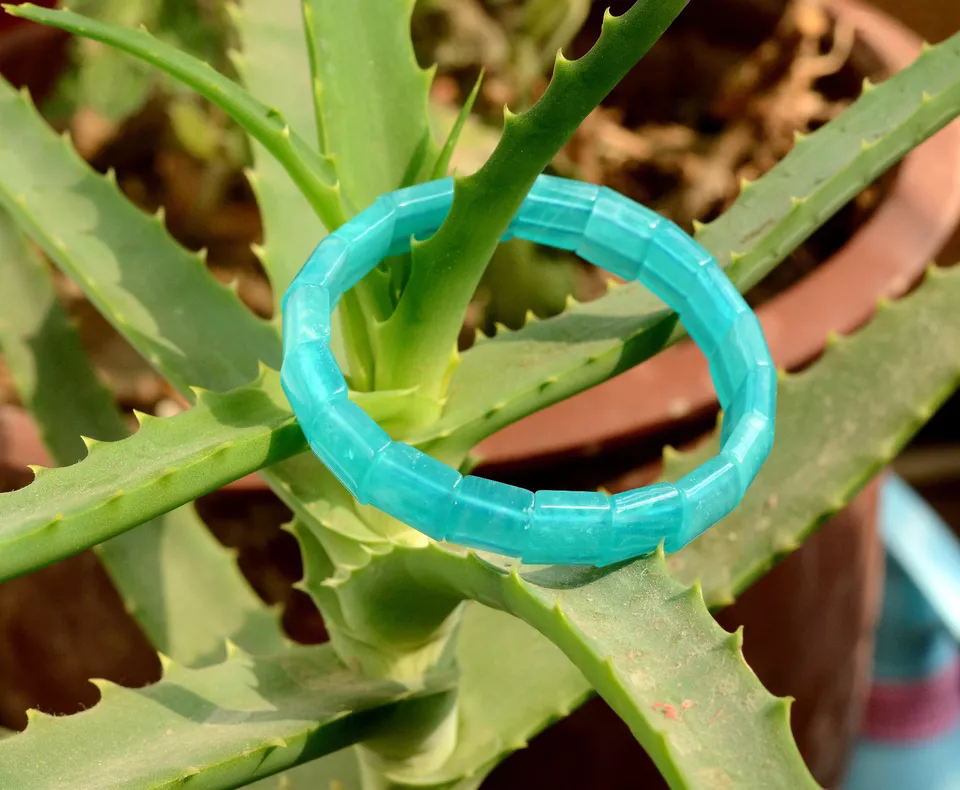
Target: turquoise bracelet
x,y
570,527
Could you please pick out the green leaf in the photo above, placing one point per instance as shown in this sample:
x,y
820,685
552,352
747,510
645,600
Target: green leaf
x,y
370,94
312,172
166,463
513,683
159,296
165,303
646,643
167,566
274,64
838,423
543,362
416,340
337,771
44,357
453,136
186,591
219,727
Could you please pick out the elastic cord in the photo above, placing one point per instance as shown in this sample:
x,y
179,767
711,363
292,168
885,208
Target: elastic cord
x,y
569,527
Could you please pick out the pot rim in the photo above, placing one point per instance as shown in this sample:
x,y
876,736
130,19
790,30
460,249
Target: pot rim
x,y
882,260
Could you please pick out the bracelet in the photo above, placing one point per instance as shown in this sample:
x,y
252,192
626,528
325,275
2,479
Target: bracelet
x,y
548,527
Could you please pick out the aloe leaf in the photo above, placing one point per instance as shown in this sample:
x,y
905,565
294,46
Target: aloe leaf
x,y
370,94
164,568
645,642
313,174
186,591
513,683
164,302
453,136
417,338
169,462
223,726
159,296
44,357
544,362
838,423
273,62
337,771
166,463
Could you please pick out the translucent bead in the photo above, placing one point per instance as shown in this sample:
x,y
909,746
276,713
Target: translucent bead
x,y
641,519
568,527
711,309
346,440
326,266
672,266
710,492
490,515
743,349
757,394
555,214
749,444
310,376
306,316
421,210
617,234
412,487
370,235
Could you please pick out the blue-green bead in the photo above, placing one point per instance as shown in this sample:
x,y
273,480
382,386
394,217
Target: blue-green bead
x,y
749,443
347,441
310,375
487,514
421,210
568,527
306,316
412,487
672,266
742,351
554,213
642,517
369,236
326,266
709,493
757,393
618,234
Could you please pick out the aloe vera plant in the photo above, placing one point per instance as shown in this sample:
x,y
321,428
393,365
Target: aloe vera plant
x,y
441,661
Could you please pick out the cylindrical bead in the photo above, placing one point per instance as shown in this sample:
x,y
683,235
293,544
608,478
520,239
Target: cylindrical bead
x,y
412,487
490,515
568,527
347,441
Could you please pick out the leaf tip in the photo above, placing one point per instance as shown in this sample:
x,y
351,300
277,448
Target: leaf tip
x,y
38,470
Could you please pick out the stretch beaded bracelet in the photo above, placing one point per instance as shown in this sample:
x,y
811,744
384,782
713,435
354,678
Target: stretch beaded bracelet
x,y
546,527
